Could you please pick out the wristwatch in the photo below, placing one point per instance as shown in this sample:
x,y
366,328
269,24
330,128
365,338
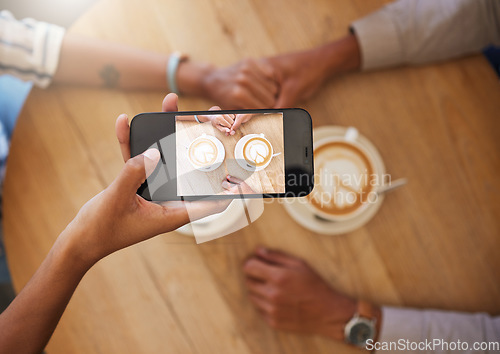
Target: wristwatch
x,y
361,327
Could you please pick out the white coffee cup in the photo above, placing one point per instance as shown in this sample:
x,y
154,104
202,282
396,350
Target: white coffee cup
x,y
253,152
206,153
344,178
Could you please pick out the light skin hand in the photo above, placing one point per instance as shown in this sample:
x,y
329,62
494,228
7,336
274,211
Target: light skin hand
x,y
239,120
235,185
291,296
222,122
247,84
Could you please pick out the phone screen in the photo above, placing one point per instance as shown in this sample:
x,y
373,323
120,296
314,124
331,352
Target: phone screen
x,y
246,146
208,154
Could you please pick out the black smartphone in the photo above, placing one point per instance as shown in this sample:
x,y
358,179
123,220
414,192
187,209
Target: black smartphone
x,y
204,154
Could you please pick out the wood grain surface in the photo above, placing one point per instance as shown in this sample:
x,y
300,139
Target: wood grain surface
x,y
434,243
193,182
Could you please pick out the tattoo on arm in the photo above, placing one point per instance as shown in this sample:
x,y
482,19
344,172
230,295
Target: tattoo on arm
x,y
110,76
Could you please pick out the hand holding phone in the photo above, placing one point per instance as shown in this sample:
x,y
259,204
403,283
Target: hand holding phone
x,y
269,154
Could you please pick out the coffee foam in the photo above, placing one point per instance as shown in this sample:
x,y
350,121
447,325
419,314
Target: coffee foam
x,y
203,152
343,179
257,151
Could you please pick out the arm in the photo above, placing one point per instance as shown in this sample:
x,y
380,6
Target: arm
x,y
403,32
421,325
97,231
423,31
42,53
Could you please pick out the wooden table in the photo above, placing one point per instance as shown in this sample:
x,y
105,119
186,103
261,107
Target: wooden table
x,y
269,180
434,243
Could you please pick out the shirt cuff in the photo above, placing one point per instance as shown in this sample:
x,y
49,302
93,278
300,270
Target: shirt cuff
x,y
378,39
47,48
399,324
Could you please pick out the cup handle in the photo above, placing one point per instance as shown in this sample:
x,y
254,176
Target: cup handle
x,y
351,134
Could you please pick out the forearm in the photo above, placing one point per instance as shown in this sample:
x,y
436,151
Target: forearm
x,y
87,61
27,324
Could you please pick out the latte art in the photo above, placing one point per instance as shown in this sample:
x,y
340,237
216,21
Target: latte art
x,y
344,177
257,151
203,152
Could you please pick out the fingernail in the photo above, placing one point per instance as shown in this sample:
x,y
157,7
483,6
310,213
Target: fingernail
x,y
233,132
152,154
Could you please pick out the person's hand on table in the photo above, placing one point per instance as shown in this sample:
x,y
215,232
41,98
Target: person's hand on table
x,y
222,122
118,217
235,185
239,120
291,296
249,83
300,74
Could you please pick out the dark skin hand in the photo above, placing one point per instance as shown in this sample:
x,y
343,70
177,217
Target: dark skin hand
x,y
291,296
300,74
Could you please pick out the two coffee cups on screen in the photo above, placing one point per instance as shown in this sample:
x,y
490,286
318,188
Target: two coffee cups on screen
x,y
253,152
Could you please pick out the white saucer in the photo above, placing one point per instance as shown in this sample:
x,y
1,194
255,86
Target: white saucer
x,y
238,153
220,156
305,217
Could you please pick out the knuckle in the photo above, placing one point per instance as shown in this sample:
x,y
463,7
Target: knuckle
x,y
247,268
242,78
238,92
134,166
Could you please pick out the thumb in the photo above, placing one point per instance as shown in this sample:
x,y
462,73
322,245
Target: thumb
x,y
237,122
286,97
136,170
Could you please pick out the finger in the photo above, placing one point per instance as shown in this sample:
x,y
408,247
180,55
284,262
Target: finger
x,y
228,186
201,209
170,103
286,98
263,86
136,170
277,257
258,269
221,120
229,118
223,129
248,99
266,68
233,179
261,304
258,288
237,122
214,108
122,130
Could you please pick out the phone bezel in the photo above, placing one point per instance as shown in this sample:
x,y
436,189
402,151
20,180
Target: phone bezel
x,y
298,149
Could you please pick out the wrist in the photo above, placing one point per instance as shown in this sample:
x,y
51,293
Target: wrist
x,y
340,56
191,78
76,242
69,249
341,312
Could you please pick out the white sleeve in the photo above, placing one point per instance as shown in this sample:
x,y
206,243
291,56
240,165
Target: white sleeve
x,y
29,49
422,31
425,326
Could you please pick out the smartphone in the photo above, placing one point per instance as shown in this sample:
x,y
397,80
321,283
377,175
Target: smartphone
x,y
206,154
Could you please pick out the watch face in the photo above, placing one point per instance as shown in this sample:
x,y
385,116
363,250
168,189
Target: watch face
x,y
360,333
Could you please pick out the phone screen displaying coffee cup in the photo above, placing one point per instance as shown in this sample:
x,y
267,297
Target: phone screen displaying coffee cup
x,y
226,154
